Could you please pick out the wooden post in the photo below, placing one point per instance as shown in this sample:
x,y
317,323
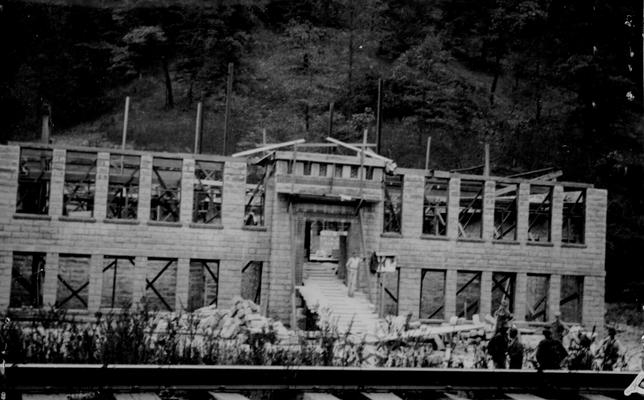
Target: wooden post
x,y
229,92
264,137
429,146
379,117
126,117
486,170
331,105
198,129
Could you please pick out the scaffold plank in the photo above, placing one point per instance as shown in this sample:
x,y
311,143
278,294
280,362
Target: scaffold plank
x,y
136,396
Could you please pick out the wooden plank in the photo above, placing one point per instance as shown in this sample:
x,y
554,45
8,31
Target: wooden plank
x,y
227,396
319,396
381,396
136,396
269,147
523,396
595,397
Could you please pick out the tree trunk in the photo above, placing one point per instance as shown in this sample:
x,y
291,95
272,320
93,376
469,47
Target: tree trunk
x,y
169,98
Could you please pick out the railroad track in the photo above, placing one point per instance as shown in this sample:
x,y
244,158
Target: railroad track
x,y
142,382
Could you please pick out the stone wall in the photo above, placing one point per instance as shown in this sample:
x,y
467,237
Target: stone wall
x,y
230,243
417,251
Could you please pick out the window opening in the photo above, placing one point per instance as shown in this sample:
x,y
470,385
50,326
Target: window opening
x,y
28,275
123,190
80,184
118,274
165,199
34,180
208,192
435,205
393,203
470,217
540,213
432,297
468,293
574,215
505,211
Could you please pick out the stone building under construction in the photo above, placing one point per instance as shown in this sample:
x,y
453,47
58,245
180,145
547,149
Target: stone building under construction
x,y
90,230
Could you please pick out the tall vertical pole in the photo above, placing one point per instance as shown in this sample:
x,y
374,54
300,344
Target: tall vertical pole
x,y
229,92
429,146
379,117
264,137
199,129
126,117
331,105
486,170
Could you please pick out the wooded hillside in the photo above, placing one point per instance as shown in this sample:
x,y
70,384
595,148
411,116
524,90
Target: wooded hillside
x,y
547,83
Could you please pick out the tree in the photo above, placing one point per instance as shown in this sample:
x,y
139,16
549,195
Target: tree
x,y
145,47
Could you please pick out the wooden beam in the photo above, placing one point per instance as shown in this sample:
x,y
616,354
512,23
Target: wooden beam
x,y
136,396
267,148
358,150
429,146
595,397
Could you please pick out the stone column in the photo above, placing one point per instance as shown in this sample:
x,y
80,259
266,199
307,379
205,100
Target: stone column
x,y
412,205
523,212
557,215
486,294
145,189
450,293
453,207
187,192
102,185
183,282
520,296
554,295
488,210
50,284
234,194
6,264
138,283
95,288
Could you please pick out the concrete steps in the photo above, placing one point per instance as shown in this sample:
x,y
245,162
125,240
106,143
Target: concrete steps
x,y
356,313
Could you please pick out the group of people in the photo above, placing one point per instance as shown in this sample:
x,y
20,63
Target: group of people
x,y
507,351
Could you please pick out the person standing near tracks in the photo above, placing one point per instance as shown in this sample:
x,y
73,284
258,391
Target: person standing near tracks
x,y
515,350
610,349
497,348
581,358
353,263
550,352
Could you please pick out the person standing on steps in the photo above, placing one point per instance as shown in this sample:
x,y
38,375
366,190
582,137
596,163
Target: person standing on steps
x,y
353,263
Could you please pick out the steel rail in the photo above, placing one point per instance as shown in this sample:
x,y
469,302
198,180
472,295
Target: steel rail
x,y
66,377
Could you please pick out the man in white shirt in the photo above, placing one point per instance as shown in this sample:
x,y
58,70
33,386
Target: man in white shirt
x,y
353,263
